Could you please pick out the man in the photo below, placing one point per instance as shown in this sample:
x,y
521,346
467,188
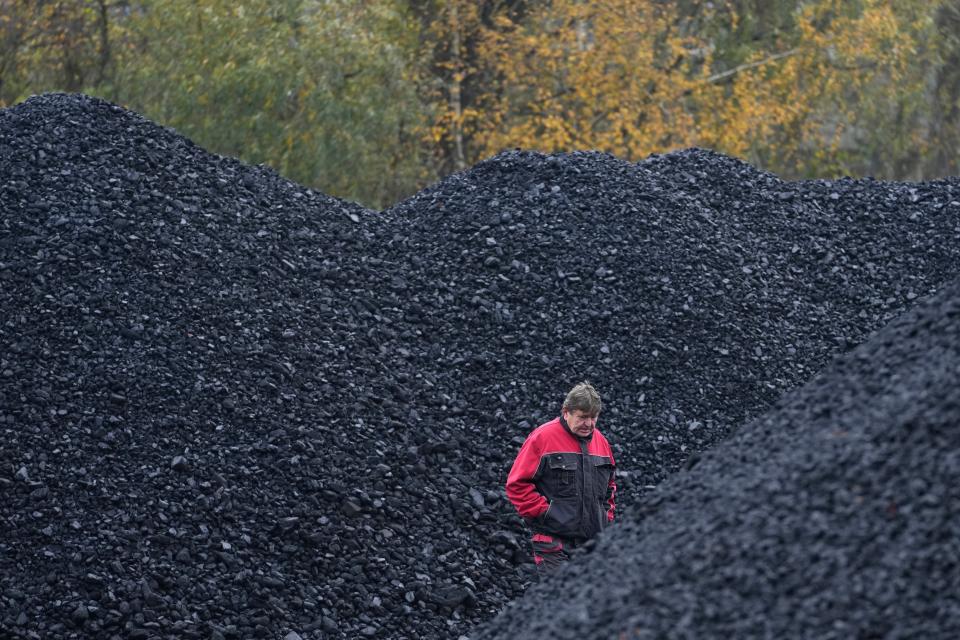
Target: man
x,y
562,481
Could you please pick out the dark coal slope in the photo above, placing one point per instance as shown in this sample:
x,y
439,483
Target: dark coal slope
x,y
180,382
833,516
692,288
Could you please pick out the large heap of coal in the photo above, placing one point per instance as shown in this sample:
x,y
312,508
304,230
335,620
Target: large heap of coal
x,y
832,516
234,407
181,358
691,288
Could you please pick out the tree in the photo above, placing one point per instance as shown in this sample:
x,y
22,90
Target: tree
x,y
817,90
615,75
944,158
836,94
371,100
53,45
456,75
319,90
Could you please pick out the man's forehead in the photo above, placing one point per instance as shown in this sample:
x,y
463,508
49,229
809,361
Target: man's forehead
x,y
580,413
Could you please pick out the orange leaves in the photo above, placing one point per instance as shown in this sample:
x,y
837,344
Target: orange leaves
x,y
611,74
627,76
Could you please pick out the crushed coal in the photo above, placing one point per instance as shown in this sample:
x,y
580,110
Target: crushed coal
x,y
686,286
832,516
231,406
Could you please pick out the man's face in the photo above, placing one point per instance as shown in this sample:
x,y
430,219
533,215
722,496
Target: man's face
x,y
580,422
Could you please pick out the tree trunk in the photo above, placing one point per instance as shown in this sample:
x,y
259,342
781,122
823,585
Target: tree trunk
x,y
104,42
945,125
456,103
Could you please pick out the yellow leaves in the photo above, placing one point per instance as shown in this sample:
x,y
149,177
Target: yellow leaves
x,y
556,133
608,74
620,75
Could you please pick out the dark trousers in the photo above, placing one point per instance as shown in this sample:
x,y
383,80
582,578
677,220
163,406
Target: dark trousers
x,y
549,552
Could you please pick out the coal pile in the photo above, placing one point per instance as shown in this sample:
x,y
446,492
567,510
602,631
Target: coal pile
x,y
691,288
178,374
235,407
832,516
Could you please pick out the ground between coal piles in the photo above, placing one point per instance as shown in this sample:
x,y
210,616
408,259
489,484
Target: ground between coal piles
x,y
232,406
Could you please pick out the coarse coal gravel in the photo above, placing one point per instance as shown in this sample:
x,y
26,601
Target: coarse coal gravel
x,y
235,407
832,516
691,288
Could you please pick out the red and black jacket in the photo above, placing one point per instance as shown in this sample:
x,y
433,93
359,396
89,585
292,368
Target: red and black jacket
x,y
562,484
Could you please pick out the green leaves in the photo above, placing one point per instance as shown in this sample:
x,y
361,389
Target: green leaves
x,y
316,90
371,100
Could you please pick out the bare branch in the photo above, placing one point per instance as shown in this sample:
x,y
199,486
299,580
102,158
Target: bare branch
x,y
752,65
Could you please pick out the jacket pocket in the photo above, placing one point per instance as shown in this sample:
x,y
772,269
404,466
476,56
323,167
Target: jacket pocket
x,y
562,518
602,472
562,476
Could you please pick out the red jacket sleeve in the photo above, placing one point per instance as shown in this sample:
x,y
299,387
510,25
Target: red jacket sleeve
x,y
520,488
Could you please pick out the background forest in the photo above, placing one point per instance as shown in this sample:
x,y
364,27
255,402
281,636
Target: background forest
x,y
372,100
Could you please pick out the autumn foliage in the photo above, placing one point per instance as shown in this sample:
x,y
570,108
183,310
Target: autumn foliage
x,y
372,100
626,76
